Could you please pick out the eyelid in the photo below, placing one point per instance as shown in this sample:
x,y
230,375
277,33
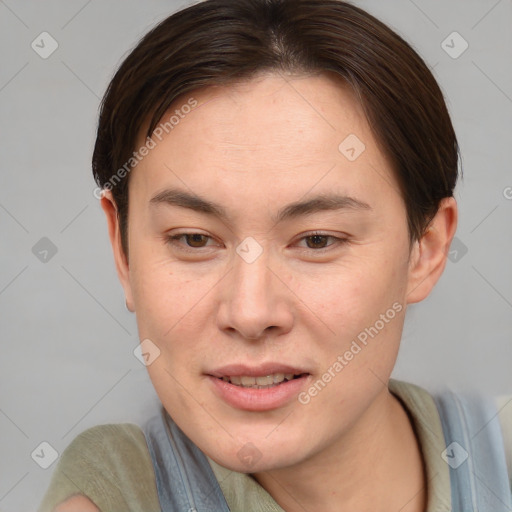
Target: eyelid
x,y
338,241
173,239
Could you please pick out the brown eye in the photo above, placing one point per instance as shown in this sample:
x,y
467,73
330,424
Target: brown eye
x,y
195,239
192,241
317,241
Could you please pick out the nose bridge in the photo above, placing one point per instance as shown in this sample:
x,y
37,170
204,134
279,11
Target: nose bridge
x,y
254,298
251,277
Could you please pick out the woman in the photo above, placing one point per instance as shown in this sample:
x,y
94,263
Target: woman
x,y
277,178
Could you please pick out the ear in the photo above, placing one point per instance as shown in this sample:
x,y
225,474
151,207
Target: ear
x,y
109,206
428,256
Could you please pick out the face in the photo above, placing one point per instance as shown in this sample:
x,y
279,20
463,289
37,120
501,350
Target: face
x,y
255,289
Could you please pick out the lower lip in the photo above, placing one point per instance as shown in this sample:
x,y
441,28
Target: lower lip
x,y
254,399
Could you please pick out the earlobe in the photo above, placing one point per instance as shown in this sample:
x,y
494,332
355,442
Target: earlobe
x,y
428,257
109,206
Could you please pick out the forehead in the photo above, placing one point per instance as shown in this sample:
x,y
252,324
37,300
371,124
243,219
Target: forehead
x,y
274,137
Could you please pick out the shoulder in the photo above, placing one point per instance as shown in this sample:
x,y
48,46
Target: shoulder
x,y
110,464
483,414
126,436
117,448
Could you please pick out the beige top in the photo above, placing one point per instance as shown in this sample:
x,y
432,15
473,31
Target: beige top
x,y
111,465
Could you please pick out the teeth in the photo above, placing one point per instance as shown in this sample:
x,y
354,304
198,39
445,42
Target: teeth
x,y
278,377
247,381
266,381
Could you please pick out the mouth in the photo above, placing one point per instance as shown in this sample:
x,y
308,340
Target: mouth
x,y
258,388
261,382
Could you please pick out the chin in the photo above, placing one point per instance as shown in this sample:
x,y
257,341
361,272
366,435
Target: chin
x,y
249,459
262,453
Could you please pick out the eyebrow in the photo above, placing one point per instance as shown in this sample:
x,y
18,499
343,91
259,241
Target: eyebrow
x,y
319,203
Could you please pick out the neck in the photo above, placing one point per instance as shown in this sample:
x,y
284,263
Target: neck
x,y
377,466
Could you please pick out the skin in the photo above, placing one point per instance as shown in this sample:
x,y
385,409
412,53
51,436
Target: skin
x,y
255,147
77,503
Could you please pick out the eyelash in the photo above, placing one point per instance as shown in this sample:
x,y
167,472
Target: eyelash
x,y
172,240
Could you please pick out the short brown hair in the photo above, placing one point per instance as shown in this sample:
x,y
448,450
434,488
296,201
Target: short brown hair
x,y
218,42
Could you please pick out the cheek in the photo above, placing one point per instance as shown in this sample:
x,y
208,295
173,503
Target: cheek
x,y
350,296
363,306
171,312
362,303
166,294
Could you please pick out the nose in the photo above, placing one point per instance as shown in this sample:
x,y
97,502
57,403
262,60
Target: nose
x,y
255,300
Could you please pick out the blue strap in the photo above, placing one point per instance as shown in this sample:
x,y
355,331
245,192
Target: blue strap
x,y
475,453
184,478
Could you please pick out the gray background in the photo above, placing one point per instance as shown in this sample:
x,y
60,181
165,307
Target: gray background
x,y
67,341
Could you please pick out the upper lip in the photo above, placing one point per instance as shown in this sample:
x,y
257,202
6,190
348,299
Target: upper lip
x,y
261,370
